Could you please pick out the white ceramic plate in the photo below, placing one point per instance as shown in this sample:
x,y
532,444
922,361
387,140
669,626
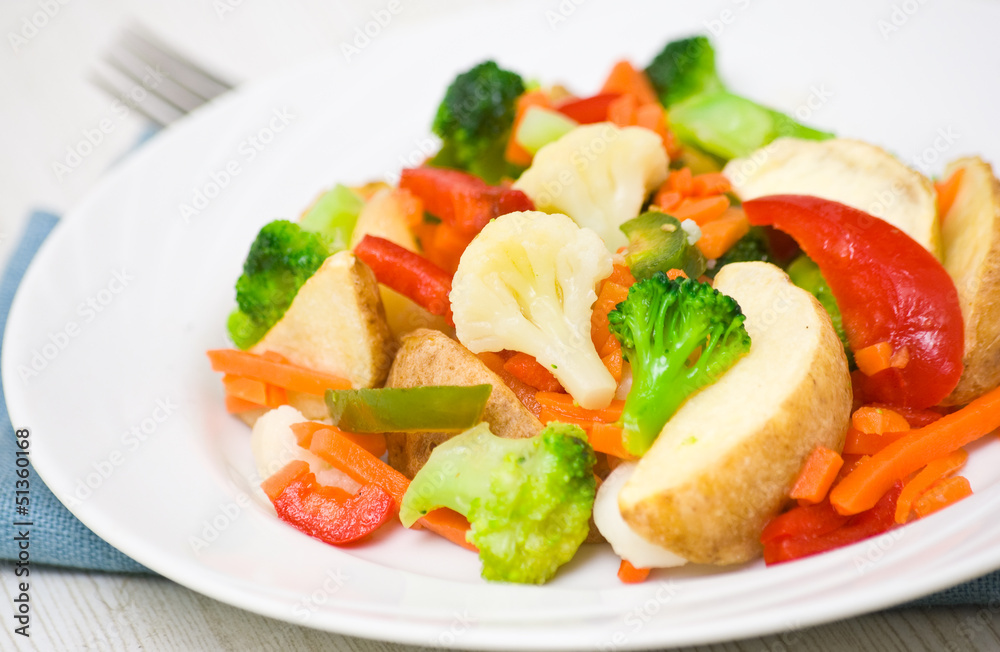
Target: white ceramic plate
x,y
104,349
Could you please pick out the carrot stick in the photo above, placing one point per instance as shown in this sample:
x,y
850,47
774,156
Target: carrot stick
x,y
613,360
373,442
933,472
667,199
878,421
944,493
238,406
610,296
564,404
524,392
621,275
681,181
246,389
866,443
817,476
947,191
607,438
621,111
284,476
629,574
874,358
654,118
528,370
710,183
866,484
275,372
703,210
449,524
365,468
720,234
625,79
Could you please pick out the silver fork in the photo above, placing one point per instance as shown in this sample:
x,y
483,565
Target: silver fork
x,y
151,77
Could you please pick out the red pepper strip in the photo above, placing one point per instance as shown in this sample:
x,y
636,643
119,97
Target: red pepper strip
x,y
888,288
880,518
462,200
811,520
330,514
408,273
588,110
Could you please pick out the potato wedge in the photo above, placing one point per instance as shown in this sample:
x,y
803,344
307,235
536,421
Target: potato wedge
x,y
428,357
336,324
386,215
851,172
724,464
970,234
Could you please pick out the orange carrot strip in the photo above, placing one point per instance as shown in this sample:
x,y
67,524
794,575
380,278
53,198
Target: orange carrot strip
x,y
275,372
374,442
719,235
613,361
933,472
621,275
449,524
625,79
607,438
524,392
703,210
285,476
676,273
866,443
817,475
654,118
710,183
610,296
246,389
942,494
878,421
870,481
680,181
622,109
874,358
529,371
668,200
514,152
947,190
237,405
565,405
629,574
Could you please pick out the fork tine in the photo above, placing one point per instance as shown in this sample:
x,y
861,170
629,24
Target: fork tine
x,y
121,86
179,68
151,76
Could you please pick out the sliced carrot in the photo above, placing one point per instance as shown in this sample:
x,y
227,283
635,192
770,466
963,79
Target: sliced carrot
x,y
445,246
622,110
654,118
667,199
514,152
947,190
565,405
702,210
621,275
529,371
676,273
866,443
238,406
942,494
933,472
719,235
373,442
276,372
607,438
286,475
524,392
874,358
710,183
449,524
817,476
878,421
624,78
613,360
870,481
916,417
629,574
680,181
246,389
610,296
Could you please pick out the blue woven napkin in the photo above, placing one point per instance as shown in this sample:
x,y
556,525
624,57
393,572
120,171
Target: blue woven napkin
x,y
58,538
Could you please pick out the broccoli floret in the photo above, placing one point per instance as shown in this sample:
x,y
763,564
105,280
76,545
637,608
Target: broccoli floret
x,y
528,500
806,274
658,243
281,259
755,245
679,336
703,113
474,120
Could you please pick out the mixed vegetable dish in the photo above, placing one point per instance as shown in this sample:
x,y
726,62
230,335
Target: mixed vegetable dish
x,y
661,316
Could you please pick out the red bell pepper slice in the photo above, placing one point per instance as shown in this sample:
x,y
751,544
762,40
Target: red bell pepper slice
x,y
588,110
888,288
877,520
330,514
462,200
811,520
408,273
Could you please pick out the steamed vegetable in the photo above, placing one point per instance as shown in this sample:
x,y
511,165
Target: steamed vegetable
x,y
528,283
281,259
657,243
474,120
600,175
805,273
528,500
703,113
410,409
679,336
333,216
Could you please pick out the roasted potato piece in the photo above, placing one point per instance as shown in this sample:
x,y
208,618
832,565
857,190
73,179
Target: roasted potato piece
x,y
970,234
428,357
851,172
724,463
336,324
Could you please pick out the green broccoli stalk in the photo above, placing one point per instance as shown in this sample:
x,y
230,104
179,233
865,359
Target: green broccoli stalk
x,y
679,336
474,120
281,259
528,500
705,114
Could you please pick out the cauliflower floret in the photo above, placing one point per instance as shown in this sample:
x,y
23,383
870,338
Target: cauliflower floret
x,y
599,175
528,283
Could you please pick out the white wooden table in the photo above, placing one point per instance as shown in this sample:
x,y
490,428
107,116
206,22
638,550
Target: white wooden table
x,y
45,107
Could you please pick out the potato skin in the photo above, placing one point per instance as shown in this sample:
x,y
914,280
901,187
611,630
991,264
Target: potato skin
x,y
429,357
971,238
715,515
